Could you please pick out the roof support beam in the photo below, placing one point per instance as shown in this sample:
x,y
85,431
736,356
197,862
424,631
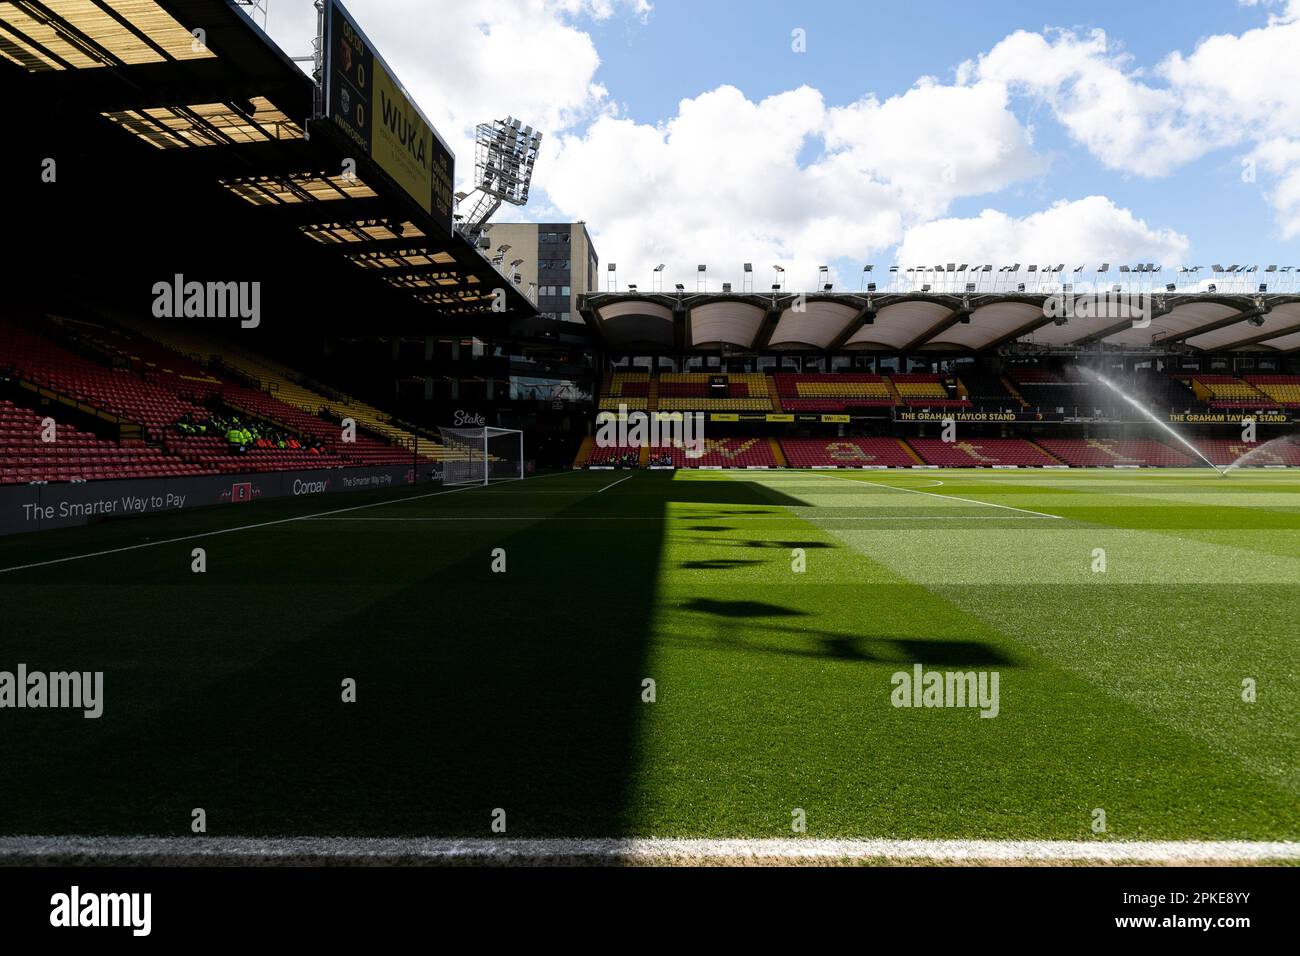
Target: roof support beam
x,y
963,311
866,315
765,328
1032,326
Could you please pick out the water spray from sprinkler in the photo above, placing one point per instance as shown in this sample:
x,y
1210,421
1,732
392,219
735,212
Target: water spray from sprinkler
x,y
1151,415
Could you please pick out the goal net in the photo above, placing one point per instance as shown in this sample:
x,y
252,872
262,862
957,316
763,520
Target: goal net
x,y
477,456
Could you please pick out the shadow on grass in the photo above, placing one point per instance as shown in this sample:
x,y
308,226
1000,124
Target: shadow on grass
x,y
814,642
474,690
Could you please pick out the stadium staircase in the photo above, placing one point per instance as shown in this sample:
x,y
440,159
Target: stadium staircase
x,y
893,392
778,454
1010,386
1039,446
774,394
910,452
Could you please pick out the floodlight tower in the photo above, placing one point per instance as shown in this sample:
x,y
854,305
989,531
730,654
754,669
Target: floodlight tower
x,y
504,154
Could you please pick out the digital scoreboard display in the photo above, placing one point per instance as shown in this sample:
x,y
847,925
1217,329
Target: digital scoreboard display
x,y
365,100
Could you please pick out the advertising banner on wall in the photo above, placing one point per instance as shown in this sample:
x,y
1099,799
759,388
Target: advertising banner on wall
x,y
66,504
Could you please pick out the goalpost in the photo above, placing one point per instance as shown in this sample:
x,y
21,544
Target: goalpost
x,y
478,456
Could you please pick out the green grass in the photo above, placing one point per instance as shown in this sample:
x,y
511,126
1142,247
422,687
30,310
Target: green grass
x,y
1118,690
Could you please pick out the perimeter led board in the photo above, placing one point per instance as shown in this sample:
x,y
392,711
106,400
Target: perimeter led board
x,y
366,101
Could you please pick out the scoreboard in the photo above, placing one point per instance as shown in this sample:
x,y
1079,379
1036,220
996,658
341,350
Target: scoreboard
x,y
366,102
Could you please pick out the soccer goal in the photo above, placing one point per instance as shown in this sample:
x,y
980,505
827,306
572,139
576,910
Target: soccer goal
x,y
477,456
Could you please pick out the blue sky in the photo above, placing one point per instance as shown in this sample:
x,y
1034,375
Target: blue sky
x,y
693,132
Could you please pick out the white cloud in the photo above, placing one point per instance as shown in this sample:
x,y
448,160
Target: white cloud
x,y
468,62
1086,231
794,180
1231,91
1281,159
1125,123
722,182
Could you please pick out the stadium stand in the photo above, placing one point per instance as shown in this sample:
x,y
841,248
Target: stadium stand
x,y
114,390
1282,390
211,453
621,456
1108,452
847,452
74,455
286,386
1069,391
989,391
981,452
1161,390
691,391
1224,451
631,389
925,390
1228,391
364,451
833,393
728,453
128,380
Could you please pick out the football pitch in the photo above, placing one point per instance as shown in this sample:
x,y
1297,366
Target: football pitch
x,y
1133,637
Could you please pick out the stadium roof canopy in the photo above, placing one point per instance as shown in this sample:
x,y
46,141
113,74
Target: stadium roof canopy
x,y
163,140
915,322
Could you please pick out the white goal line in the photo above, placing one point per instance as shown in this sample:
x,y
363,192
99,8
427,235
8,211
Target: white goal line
x,y
650,849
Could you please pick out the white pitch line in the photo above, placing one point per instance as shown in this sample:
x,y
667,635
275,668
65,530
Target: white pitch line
x,y
251,527
935,494
619,482
683,850
659,518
